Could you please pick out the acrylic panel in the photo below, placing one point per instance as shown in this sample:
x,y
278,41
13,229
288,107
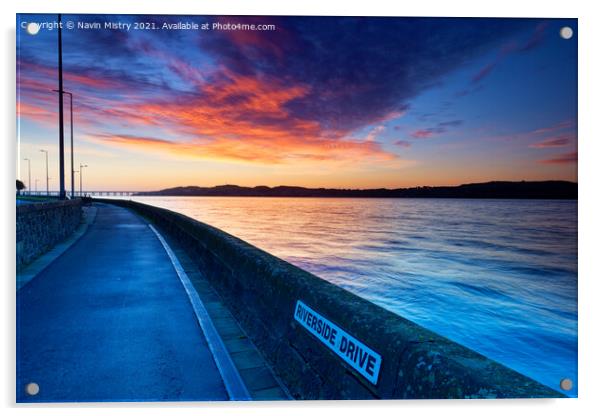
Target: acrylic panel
x,y
295,208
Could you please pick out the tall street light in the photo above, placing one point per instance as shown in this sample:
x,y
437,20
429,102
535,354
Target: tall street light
x,y
62,193
81,175
71,120
47,178
77,171
37,185
29,174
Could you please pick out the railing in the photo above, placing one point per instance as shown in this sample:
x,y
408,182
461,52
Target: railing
x,y
77,193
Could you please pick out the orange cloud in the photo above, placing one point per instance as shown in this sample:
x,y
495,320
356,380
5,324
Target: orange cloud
x,y
232,117
258,151
244,118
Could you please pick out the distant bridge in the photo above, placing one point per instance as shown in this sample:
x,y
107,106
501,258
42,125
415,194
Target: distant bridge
x,y
79,194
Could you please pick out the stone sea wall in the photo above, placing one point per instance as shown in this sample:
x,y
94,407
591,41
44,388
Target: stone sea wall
x,y
304,326
42,225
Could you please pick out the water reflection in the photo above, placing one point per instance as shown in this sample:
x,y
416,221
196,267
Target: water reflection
x,y
499,276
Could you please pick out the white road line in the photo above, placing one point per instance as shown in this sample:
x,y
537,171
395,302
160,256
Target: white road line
x,y
232,381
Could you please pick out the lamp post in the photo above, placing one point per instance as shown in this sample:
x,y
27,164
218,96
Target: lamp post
x,y
81,175
29,175
47,178
62,193
77,171
71,120
37,186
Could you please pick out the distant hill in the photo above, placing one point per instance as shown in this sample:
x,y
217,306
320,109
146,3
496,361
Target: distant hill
x,y
498,189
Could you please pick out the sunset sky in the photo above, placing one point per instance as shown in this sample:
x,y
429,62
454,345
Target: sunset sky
x,y
318,102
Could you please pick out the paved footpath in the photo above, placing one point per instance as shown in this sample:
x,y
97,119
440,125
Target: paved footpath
x,y
109,320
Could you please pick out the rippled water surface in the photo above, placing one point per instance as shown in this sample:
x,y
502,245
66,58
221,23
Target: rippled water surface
x,y
499,276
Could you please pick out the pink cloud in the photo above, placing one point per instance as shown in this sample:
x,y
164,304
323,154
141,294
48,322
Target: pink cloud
x,y
423,134
559,141
402,143
483,72
556,127
534,41
561,159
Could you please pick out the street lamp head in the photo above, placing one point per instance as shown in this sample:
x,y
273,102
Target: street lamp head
x,y
64,92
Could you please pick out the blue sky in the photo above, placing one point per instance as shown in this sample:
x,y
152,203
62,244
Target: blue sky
x,y
319,101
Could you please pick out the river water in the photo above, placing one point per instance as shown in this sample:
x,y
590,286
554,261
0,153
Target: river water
x,y
498,276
